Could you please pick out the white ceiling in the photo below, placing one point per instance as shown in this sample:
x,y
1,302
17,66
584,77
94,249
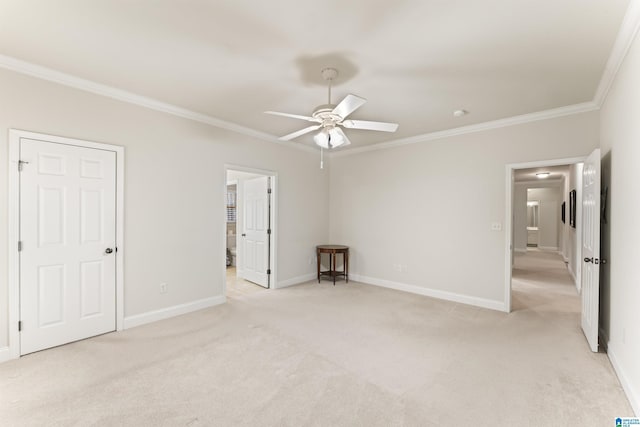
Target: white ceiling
x,y
414,60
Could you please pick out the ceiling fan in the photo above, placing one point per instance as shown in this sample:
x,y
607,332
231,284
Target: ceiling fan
x,y
330,117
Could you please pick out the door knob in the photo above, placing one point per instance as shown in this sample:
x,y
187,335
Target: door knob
x,y
108,251
244,235
588,260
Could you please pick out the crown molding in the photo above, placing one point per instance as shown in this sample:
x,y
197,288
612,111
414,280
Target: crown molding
x,y
44,73
626,35
493,124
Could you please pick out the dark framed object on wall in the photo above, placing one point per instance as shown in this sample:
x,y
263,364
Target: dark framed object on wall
x,y
564,210
572,208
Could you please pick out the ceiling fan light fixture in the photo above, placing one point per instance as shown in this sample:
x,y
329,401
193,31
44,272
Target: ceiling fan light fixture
x,y
328,138
330,118
542,175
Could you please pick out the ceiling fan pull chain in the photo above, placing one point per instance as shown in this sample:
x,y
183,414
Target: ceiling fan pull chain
x,y
321,158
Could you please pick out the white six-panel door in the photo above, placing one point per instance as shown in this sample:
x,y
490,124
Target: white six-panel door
x,y
68,234
256,224
591,248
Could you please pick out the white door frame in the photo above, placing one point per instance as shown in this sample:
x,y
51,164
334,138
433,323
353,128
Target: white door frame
x,y
273,252
14,227
508,223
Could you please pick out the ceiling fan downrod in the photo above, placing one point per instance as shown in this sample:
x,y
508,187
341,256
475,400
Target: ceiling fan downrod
x,y
329,74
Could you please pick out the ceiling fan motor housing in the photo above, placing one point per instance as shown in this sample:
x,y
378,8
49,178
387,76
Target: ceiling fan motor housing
x,y
324,113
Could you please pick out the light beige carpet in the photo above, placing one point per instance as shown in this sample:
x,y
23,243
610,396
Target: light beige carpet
x,y
319,355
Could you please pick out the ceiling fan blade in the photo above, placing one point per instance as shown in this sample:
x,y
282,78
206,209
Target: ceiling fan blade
x,y
367,125
293,116
343,135
348,105
300,132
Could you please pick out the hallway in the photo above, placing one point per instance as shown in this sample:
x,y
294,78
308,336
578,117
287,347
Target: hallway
x,y
541,283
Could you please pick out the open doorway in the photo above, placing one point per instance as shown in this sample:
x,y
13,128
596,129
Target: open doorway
x,y
580,239
544,242
249,230
544,246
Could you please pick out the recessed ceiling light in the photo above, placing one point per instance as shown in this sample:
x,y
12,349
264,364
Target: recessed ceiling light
x,y
460,113
542,175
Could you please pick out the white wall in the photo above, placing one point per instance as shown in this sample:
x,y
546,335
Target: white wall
x,y
174,194
429,206
548,215
620,144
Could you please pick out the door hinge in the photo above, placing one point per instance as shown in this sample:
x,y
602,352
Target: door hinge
x,y
19,245
19,325
268,191
21,164
269,271
268,231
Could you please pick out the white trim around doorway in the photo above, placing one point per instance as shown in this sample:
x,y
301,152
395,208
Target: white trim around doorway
x,y
12,351
273,255
508,226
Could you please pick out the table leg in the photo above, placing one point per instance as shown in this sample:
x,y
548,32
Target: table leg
x,y
333,273
318,262
346,265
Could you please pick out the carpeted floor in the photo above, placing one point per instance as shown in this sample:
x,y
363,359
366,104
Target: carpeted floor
x,y
319,355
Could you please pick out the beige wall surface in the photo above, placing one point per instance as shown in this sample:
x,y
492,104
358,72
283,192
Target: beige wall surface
x,y
620,284
429,206
174,190
549,220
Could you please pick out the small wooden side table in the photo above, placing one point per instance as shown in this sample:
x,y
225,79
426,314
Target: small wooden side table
x,y
333,251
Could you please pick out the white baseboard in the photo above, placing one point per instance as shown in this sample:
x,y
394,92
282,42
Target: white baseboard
x,y
5,354
176,310
549,248
434,293
521,251
632,394
296,280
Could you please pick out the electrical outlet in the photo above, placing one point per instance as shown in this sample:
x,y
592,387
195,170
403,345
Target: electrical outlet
x,y
397,267
311,259
496,226
163,288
